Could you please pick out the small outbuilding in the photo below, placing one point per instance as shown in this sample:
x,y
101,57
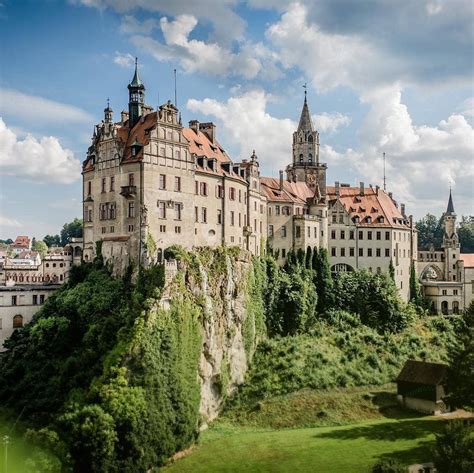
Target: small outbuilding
x,y
420,386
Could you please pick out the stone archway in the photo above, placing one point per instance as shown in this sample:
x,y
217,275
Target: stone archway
x,y
432,272
445,307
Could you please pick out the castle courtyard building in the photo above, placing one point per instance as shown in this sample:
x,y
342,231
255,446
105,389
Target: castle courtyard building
x,y
150,183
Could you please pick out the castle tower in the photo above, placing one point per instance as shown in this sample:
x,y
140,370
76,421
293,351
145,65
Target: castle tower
x,y
108,113
450,241
306,166
136,94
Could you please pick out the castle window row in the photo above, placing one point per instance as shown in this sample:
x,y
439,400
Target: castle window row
x,y
369,252
351,234
36,299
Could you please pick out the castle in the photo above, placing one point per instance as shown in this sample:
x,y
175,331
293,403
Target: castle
x,y
149,183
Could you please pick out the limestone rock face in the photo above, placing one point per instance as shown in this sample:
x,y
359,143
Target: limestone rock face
x,y
222,293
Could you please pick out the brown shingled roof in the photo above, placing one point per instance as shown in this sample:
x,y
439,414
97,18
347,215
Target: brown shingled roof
x,y
422,372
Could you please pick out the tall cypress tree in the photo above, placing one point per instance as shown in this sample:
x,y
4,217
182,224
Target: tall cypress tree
x,y
300,256
324,282
391,270
309,257
415,293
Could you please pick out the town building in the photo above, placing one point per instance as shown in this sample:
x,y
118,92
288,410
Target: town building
x,y
21,243
446,274
149,183
27,280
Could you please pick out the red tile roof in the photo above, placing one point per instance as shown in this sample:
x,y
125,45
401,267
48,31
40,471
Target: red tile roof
x,y
375,203
468,259
21,242
296,192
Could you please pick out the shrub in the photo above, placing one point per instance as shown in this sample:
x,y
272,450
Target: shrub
x,y
388,466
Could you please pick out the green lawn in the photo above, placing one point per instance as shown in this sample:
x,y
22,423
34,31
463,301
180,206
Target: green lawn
x,y
351,448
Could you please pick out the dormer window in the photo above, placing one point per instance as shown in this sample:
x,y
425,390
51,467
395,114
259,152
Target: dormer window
x,y
356,219
369,219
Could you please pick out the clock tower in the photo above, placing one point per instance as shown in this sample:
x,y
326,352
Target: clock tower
x,y
306,166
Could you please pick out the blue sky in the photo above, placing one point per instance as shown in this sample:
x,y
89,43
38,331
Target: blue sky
x,y
382,76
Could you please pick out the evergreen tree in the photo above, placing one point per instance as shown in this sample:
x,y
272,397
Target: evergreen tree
x,y
415,292
314,261
309,257
391,270
324,282
301,256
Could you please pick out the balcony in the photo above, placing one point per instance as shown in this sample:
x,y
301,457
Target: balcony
x,y
128,191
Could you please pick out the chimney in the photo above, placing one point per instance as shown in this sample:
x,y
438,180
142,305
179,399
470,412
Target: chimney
x,y
338,192
402,209
377,189
194,125
281,180
210,130
361,188
123,116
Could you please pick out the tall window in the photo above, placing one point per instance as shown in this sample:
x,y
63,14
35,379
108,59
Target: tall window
x,y
283,231
112,183
270,230
203,215
219,216
298,231
203,188
131,209
369,235
232,193
14,300
232,218
177,184
103,184
196,214
220,192
89,188
177,211
162,182
131,179
161,209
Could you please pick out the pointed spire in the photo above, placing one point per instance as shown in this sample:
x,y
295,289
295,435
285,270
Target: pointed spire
x,y
136,81
450,209
305,124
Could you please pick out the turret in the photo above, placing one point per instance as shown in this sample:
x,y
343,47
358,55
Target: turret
x,y
136,94
108,113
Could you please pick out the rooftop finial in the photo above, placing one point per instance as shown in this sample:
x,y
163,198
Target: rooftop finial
x,y
305,86
108,102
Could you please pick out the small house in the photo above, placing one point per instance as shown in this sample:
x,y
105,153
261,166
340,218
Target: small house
x,y
420,386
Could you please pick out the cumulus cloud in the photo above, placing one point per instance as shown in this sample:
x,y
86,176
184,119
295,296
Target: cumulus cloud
x,y
330,122
43,160
247,125
34,108
124,60
206,57
226,23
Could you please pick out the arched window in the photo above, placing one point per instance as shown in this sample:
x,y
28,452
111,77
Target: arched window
x,y
159,255
301,158
310,158
455,307
18,321
444,307
310,138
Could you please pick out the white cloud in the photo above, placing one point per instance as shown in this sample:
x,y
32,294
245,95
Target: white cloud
x,y
130,25
227,24
206,57
34,108
433,7
124,60
43,160
330,60
247,125
9,222
330,122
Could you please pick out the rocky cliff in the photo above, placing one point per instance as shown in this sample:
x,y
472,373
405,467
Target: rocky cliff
x,y
221,283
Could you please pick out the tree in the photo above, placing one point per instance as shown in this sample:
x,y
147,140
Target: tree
x,y
454,451
71,230
52,240
309,257
460,382
430,231
415,291
324,282
391,270
40,246
466,234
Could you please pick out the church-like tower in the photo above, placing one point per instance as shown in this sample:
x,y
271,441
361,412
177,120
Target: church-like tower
x,y
306,166
136,97
450,241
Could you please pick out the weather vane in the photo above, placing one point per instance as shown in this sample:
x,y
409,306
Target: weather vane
x,y
305,86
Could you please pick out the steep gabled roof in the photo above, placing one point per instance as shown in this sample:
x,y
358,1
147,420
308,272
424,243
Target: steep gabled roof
x,y
422,372
305,124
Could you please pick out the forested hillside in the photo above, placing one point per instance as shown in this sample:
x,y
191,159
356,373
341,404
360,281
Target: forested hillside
x,y
118,374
